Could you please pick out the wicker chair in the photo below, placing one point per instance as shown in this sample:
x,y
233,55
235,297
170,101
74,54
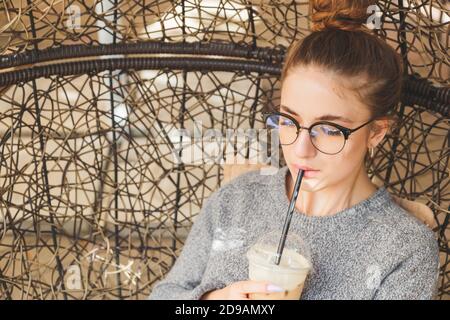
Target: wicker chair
x,y
93,201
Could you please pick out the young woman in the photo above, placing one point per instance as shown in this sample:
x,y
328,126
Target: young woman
x,y
340,85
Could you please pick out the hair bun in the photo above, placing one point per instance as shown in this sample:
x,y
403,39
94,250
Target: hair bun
x,y
351,15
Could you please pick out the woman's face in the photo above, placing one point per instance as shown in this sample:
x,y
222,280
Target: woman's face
x,y
309,94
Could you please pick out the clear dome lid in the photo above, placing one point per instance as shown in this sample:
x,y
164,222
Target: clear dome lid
x,y
295,256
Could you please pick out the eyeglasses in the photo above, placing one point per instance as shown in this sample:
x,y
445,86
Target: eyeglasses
x,y
327,137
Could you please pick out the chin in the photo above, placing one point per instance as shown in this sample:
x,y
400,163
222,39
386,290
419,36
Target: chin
x,y
310,186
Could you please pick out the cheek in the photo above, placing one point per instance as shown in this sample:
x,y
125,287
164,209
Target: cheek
x,y
287,151
344,164
354,151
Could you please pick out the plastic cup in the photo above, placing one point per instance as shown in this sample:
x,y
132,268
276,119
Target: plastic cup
x,y
290,274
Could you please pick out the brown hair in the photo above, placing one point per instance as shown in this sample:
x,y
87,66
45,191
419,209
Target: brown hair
x,y
342,44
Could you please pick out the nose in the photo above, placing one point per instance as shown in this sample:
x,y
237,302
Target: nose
x,y
303,147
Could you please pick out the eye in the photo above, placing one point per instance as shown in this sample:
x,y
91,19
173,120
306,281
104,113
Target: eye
x,y
327,130
286,122
330,131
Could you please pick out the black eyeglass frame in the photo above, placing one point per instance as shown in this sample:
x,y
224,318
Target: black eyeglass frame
x,y
345,131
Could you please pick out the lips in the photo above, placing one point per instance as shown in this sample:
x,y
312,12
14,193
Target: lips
x,y
305,168
308,171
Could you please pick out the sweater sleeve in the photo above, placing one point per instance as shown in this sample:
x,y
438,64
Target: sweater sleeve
x,y
184,280
416,277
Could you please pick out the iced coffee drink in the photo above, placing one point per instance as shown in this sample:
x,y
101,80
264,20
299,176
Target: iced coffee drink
x,y
290,274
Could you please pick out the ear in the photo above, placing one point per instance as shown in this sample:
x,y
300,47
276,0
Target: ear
x,y
378,130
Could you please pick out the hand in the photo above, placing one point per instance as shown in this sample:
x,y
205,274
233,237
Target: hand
x,y
240,290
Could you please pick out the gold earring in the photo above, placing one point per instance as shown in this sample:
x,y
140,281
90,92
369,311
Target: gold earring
x,y
371,152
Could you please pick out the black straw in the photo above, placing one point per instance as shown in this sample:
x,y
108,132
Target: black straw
x,y
287,221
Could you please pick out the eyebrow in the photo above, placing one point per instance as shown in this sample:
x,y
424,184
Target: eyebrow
x,y
329,117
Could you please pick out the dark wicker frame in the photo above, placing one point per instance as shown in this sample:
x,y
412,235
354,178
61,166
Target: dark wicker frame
x,y
159,242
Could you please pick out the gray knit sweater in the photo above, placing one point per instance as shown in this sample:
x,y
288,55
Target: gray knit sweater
x,y
372,250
